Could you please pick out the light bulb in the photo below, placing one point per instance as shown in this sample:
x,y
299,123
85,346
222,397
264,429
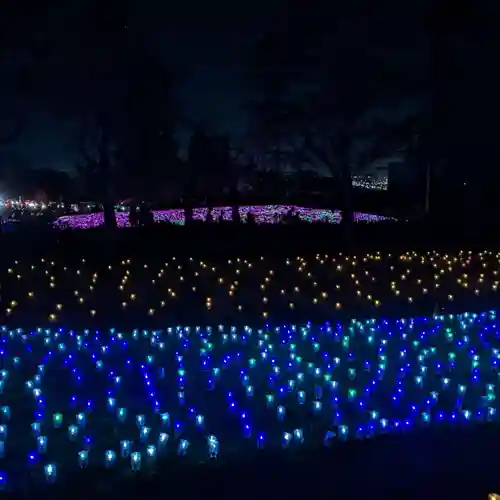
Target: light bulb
x,y
72,432
151,453
281,412
200,421
135,461
50,471
144,433
213,446
6,413
125,447
298,436
41,444
183,447
57,419
83,458
109,458
121,415
287,439
35,429
329,437
163,439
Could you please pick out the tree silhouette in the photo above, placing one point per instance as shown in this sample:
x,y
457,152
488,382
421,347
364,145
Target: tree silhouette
x,y
317,91
55,184
466,104
97,172
211,170
91,66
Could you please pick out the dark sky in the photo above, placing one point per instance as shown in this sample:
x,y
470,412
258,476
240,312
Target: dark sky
x,y
206,44
205,47
210,50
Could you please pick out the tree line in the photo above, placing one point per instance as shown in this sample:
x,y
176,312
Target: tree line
x,y
333,93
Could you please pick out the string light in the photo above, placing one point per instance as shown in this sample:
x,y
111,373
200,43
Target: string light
x,y
262,214
381,283
283,386
171,390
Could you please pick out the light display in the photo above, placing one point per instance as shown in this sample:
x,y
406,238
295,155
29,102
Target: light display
x,y
370,183
149,293
122,367
311,386
262,214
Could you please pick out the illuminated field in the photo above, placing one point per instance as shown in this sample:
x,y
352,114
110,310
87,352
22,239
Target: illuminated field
x,y
262,214
123,363
124,399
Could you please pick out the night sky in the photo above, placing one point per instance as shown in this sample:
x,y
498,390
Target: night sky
x,y
206,48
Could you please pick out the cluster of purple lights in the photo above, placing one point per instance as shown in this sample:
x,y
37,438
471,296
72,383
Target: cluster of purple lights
x,y
267,214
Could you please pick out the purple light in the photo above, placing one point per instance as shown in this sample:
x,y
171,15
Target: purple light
x,y
268,214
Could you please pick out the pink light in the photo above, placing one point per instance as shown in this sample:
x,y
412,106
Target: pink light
x,y
268,214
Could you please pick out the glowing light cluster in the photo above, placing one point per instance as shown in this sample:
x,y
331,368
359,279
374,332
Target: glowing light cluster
x,y
262,215
140,290
367,182
124,399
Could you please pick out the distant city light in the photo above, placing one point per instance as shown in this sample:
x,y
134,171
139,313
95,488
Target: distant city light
x,y
370,183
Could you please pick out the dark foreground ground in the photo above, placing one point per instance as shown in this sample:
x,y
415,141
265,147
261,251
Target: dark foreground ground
x,y
229,239
438,463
